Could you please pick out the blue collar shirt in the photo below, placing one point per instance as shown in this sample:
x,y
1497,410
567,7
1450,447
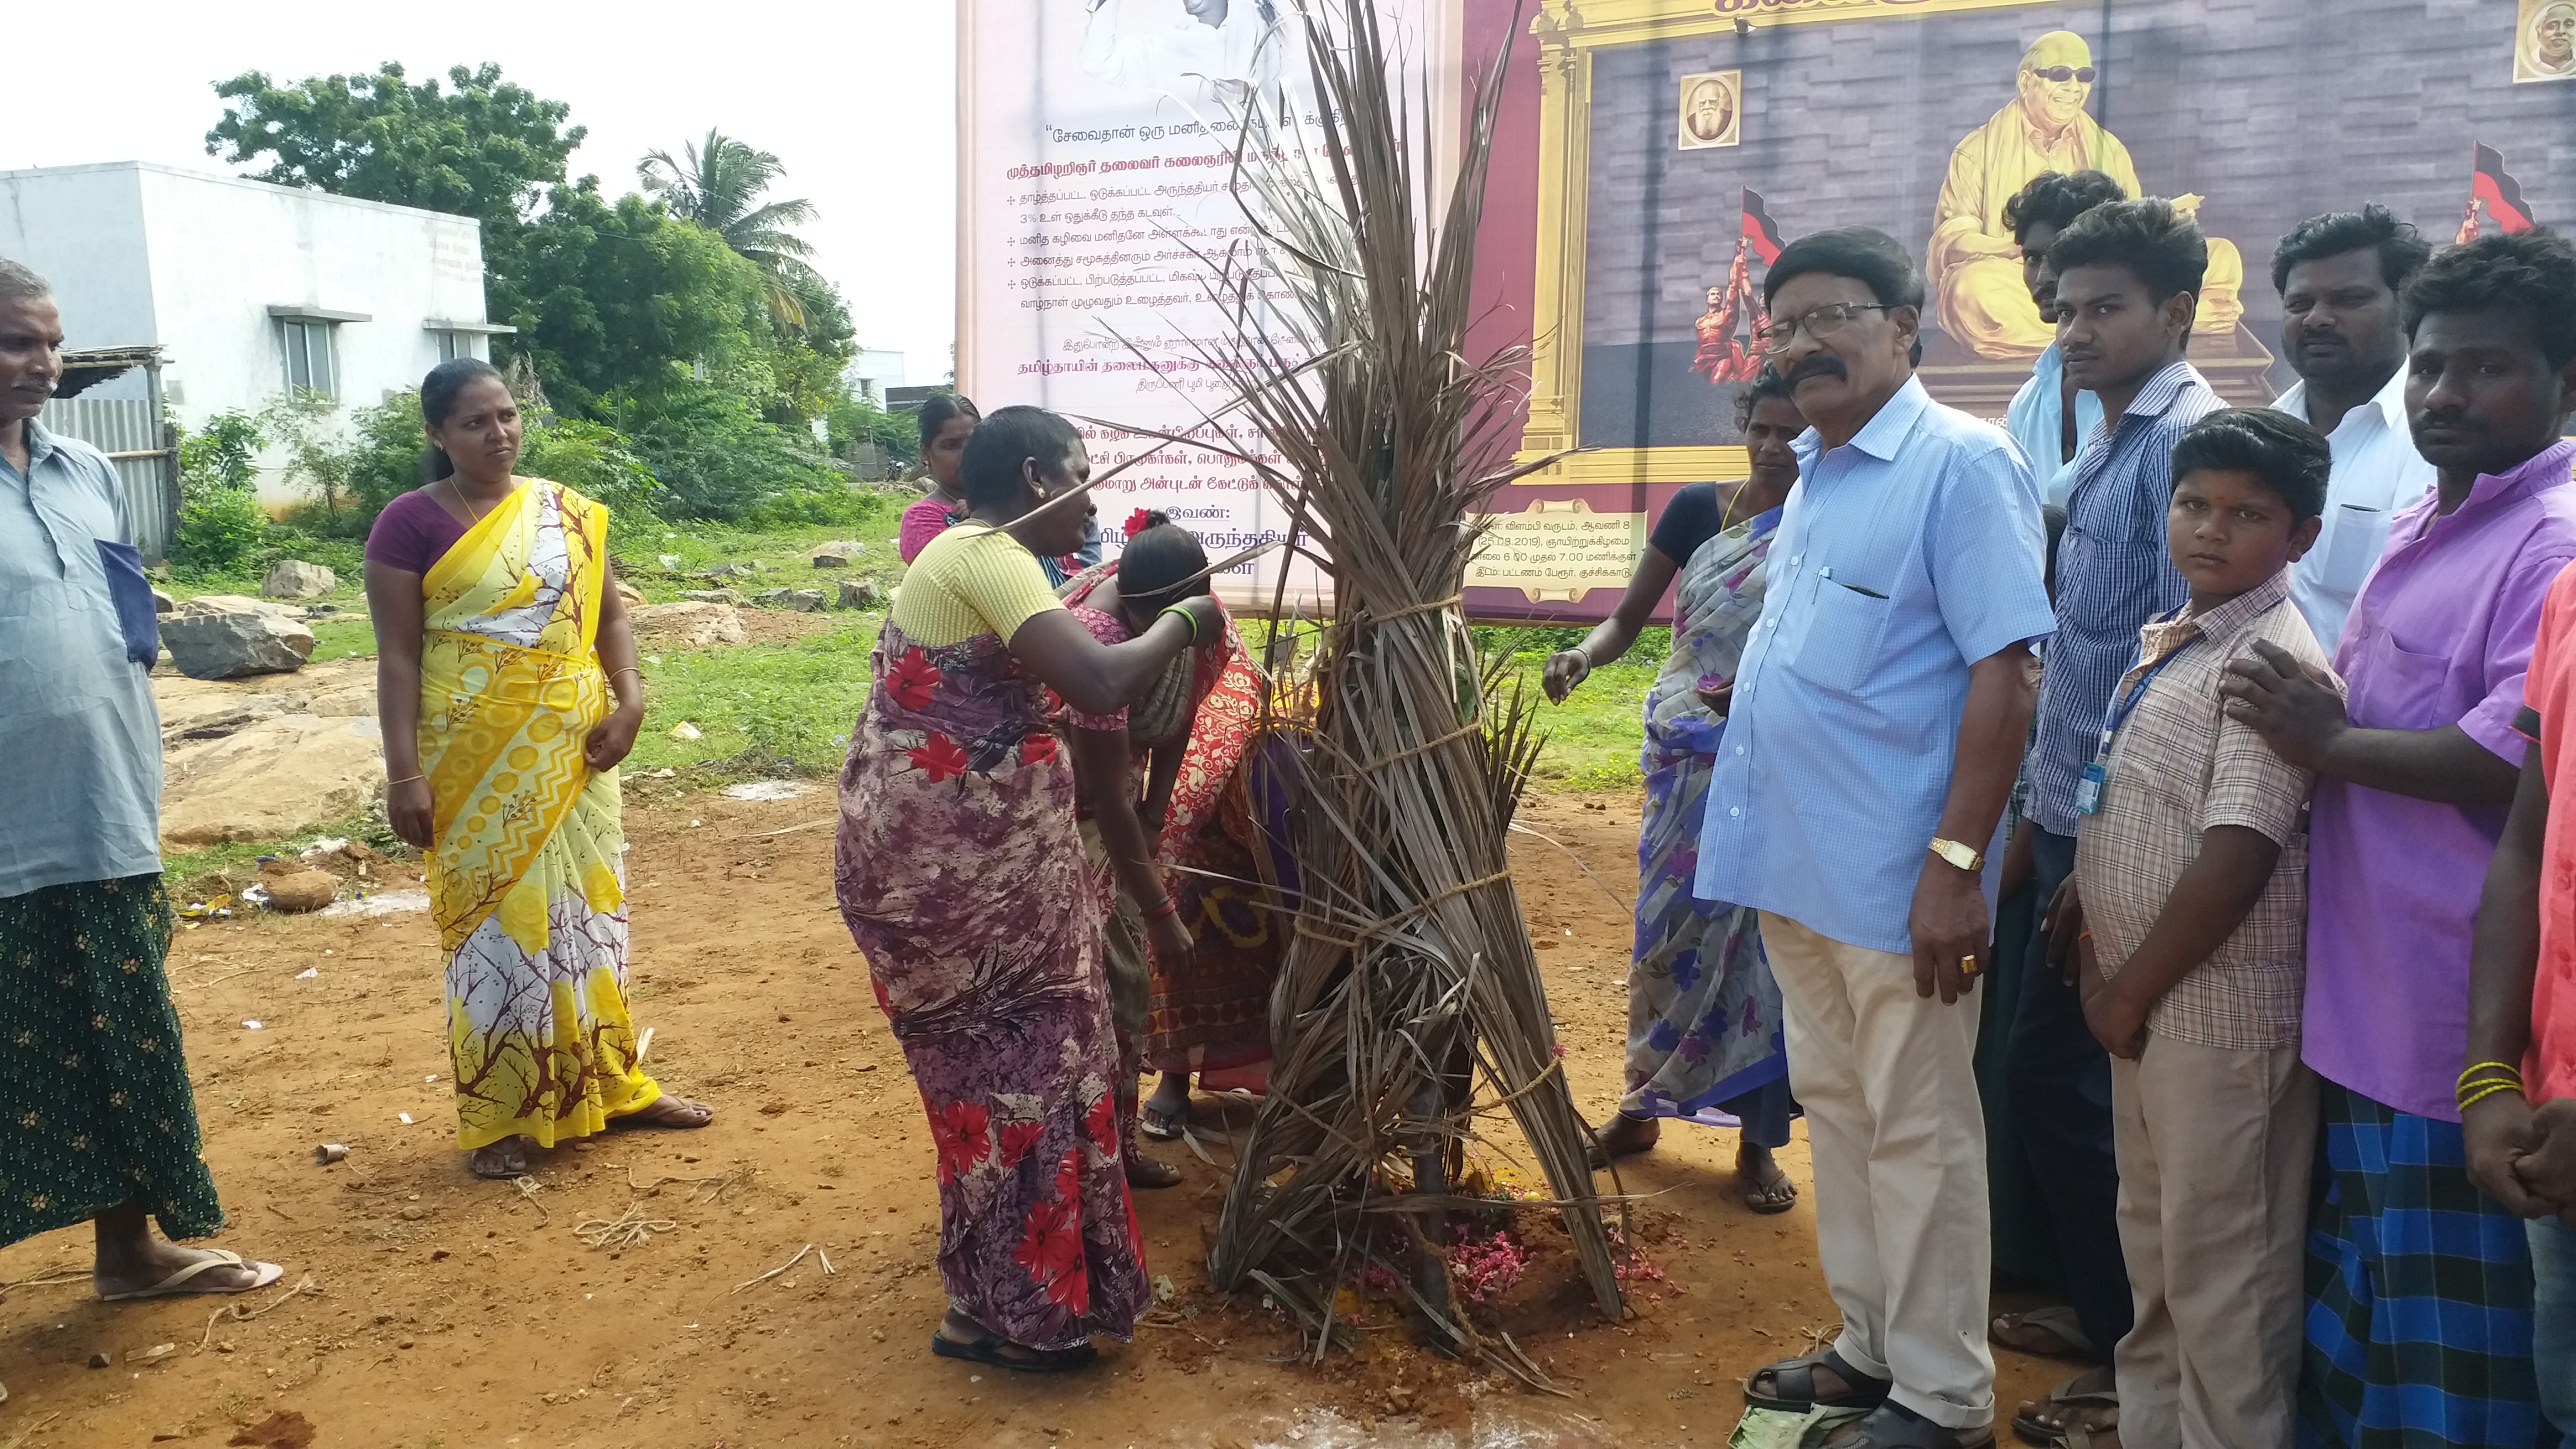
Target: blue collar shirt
x,y
82,791
1903,558
2114,574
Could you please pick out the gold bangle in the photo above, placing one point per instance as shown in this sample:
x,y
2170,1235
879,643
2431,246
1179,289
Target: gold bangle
x,y
405,780
2508,1068
2493,1088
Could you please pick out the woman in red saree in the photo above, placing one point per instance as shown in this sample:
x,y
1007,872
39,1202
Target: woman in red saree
x,y
961,877
1212,817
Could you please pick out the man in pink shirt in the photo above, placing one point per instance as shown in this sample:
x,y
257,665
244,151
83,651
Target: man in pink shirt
x,y
2420,1302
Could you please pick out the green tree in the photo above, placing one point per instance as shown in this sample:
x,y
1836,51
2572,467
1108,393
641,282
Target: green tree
x,y
483,148
719,186
610,296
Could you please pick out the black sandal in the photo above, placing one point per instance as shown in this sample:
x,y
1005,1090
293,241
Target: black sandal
x,y
1890,1426
988,1350
1795,1378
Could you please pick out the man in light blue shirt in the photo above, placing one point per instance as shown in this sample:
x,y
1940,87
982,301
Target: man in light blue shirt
x,y
1873,734
2339,276
2049,422
100,1126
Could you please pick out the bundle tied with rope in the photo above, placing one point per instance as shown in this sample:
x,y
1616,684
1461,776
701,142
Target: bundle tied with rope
x,y
1409,1018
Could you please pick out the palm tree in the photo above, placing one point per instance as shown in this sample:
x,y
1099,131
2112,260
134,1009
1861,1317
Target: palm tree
x,y
718,185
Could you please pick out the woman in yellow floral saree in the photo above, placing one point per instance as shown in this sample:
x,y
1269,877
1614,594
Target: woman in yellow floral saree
x,y
500,640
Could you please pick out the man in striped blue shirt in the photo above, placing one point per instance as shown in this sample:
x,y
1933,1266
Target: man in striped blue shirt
x,y
2128,283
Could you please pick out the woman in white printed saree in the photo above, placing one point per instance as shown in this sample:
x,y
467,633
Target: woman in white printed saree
x,y
500,640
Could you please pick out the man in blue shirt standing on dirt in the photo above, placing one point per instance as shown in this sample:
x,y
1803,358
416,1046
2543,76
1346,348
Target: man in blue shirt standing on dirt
x,y
1874,733
101,1125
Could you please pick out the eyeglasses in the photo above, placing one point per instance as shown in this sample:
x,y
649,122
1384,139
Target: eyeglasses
x,y
2061,74
1821,323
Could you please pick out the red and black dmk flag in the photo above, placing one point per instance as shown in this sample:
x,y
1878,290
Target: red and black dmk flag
x,y
2500,192
1763,233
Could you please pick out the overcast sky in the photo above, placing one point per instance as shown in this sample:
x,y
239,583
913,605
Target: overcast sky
x,y
857,98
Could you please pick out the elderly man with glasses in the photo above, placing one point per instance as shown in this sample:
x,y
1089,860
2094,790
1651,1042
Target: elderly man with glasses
x,y
1878,719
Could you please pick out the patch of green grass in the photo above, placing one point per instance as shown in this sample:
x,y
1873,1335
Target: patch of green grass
x,y
698,547
759,708
184,867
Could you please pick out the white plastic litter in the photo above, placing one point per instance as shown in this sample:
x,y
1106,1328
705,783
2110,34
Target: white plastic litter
x,y
686,731
383,903
308,973
327,845
405,1116
250,1024
766,790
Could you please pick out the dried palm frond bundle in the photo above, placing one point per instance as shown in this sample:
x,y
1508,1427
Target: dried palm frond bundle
x,y
1409,1007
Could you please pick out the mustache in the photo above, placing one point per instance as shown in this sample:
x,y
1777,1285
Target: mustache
x,y
2459,420
1823,364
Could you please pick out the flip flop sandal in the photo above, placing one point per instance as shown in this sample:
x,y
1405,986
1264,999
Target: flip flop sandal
x,y
988,1350
2057,1321
1160,1126
1776,1196
184,1281
1795,1378
1891,1427
2074,1433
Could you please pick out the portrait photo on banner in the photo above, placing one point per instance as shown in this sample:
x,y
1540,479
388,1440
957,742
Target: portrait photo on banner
x,y
1647,231
1711,115
2544,47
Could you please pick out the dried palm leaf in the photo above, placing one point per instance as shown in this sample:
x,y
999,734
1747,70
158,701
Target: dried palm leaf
x,y
1409,987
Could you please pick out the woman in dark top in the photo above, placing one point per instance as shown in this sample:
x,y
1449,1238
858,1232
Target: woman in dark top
x,y
1703,1011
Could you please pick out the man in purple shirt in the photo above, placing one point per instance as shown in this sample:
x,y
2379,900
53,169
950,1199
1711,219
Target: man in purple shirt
x,y
2419,1287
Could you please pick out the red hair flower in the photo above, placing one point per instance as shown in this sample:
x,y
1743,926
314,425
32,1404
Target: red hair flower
x,y
1138,522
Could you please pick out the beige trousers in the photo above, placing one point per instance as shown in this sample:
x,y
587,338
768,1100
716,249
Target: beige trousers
x,y
2215,1148
1888,1081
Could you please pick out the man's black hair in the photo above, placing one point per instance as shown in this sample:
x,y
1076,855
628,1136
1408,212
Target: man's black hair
x,y
1865,254
2164,247
2531,271
2057,198
2289,456
990,471
2402,249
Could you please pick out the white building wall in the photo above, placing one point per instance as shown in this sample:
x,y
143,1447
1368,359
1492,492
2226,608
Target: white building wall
x,y
81,229
194,262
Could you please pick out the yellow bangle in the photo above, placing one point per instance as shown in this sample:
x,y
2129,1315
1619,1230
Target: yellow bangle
x,y
2468,1100
2508,1068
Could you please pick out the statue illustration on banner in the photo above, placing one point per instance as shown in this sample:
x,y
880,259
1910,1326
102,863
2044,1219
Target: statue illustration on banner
x,y
1975,267
1727,352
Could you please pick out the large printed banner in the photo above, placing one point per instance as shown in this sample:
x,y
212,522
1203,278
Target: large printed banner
x,y
1655,153
1652,157
1097,145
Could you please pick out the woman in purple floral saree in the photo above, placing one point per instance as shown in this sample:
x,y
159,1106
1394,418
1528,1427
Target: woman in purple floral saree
x,y
962,879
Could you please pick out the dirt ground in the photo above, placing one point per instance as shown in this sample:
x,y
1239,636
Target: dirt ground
x,y
450,1312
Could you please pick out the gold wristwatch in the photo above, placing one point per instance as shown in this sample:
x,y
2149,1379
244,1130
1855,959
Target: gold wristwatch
x,y
1965,857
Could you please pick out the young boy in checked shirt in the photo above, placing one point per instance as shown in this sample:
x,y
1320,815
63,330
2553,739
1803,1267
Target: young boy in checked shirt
x,y
2187,921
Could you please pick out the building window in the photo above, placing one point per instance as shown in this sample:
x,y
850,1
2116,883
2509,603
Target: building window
x,y
312,362
453,345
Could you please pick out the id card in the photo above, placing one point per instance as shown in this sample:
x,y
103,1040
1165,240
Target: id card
x,y
2088,789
